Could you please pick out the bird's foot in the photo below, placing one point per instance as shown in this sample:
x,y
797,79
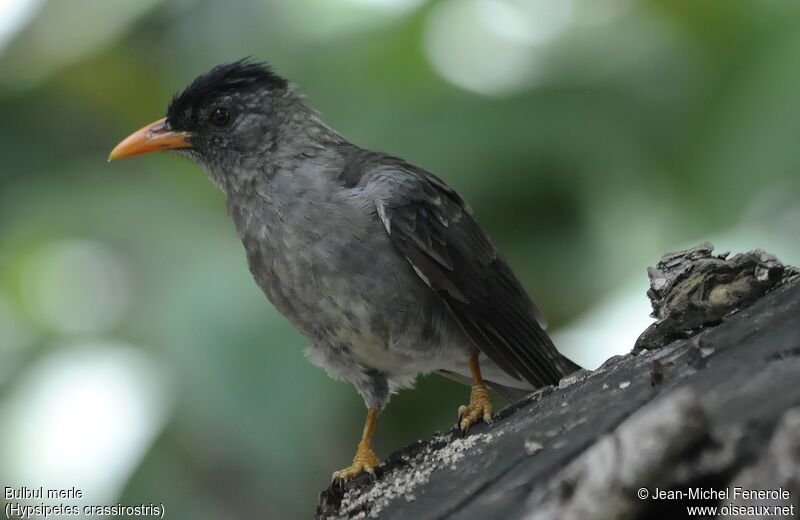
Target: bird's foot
x,y
364,461
479,407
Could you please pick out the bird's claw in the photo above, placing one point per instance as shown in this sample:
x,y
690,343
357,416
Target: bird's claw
x,y
364,461
479,407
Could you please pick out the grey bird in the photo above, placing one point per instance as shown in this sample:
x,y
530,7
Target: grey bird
x,y
379,263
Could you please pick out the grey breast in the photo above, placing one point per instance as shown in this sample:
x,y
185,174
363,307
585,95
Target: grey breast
x,y
322,257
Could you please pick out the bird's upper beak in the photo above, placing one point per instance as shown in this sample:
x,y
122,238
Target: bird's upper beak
x,y
153,137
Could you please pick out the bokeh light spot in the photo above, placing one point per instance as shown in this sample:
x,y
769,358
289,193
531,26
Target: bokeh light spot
x,y
493,47
83,417
77,286
390,5
14,14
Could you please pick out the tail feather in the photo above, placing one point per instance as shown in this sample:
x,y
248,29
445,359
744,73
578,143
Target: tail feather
x,y
510,394
568,366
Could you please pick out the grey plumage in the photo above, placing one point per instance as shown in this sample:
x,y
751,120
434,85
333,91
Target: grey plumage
x,y
376,261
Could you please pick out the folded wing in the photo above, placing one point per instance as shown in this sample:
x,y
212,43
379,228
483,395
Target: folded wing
x,y
433,229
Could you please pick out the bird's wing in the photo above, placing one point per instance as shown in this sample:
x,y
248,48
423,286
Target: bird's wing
x,y
433,228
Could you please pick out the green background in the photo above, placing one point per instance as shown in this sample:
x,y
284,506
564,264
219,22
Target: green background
x,y
138,360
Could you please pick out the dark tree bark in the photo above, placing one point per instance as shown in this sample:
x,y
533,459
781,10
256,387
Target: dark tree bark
x,y
708,399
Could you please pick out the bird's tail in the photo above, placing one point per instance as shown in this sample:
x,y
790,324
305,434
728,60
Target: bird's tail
x,y
567,366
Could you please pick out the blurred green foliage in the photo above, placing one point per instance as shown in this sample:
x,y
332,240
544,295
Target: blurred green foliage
x,y
665,123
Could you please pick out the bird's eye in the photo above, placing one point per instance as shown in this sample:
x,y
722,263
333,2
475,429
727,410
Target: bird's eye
x,y
220,116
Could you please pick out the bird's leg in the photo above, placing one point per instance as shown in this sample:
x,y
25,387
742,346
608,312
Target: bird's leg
x,y
480,404
365,459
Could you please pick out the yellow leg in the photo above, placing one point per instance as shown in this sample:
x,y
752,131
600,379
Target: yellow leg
x,y
365,459
480,404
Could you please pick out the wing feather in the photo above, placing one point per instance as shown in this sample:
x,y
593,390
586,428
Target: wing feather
x,y
432,227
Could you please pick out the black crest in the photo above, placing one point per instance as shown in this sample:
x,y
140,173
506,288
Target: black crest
x,y
239,75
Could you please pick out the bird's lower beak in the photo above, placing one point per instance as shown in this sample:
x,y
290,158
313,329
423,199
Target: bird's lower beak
x,y
153,137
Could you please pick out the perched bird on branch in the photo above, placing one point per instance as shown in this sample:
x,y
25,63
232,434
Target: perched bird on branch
x,y
376,261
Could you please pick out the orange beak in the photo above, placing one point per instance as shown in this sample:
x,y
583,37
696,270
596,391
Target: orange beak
x,y
151,138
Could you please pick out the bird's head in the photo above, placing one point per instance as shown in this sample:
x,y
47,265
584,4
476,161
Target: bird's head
x,y
225,120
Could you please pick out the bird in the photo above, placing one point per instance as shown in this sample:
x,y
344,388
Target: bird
x,y
379,263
